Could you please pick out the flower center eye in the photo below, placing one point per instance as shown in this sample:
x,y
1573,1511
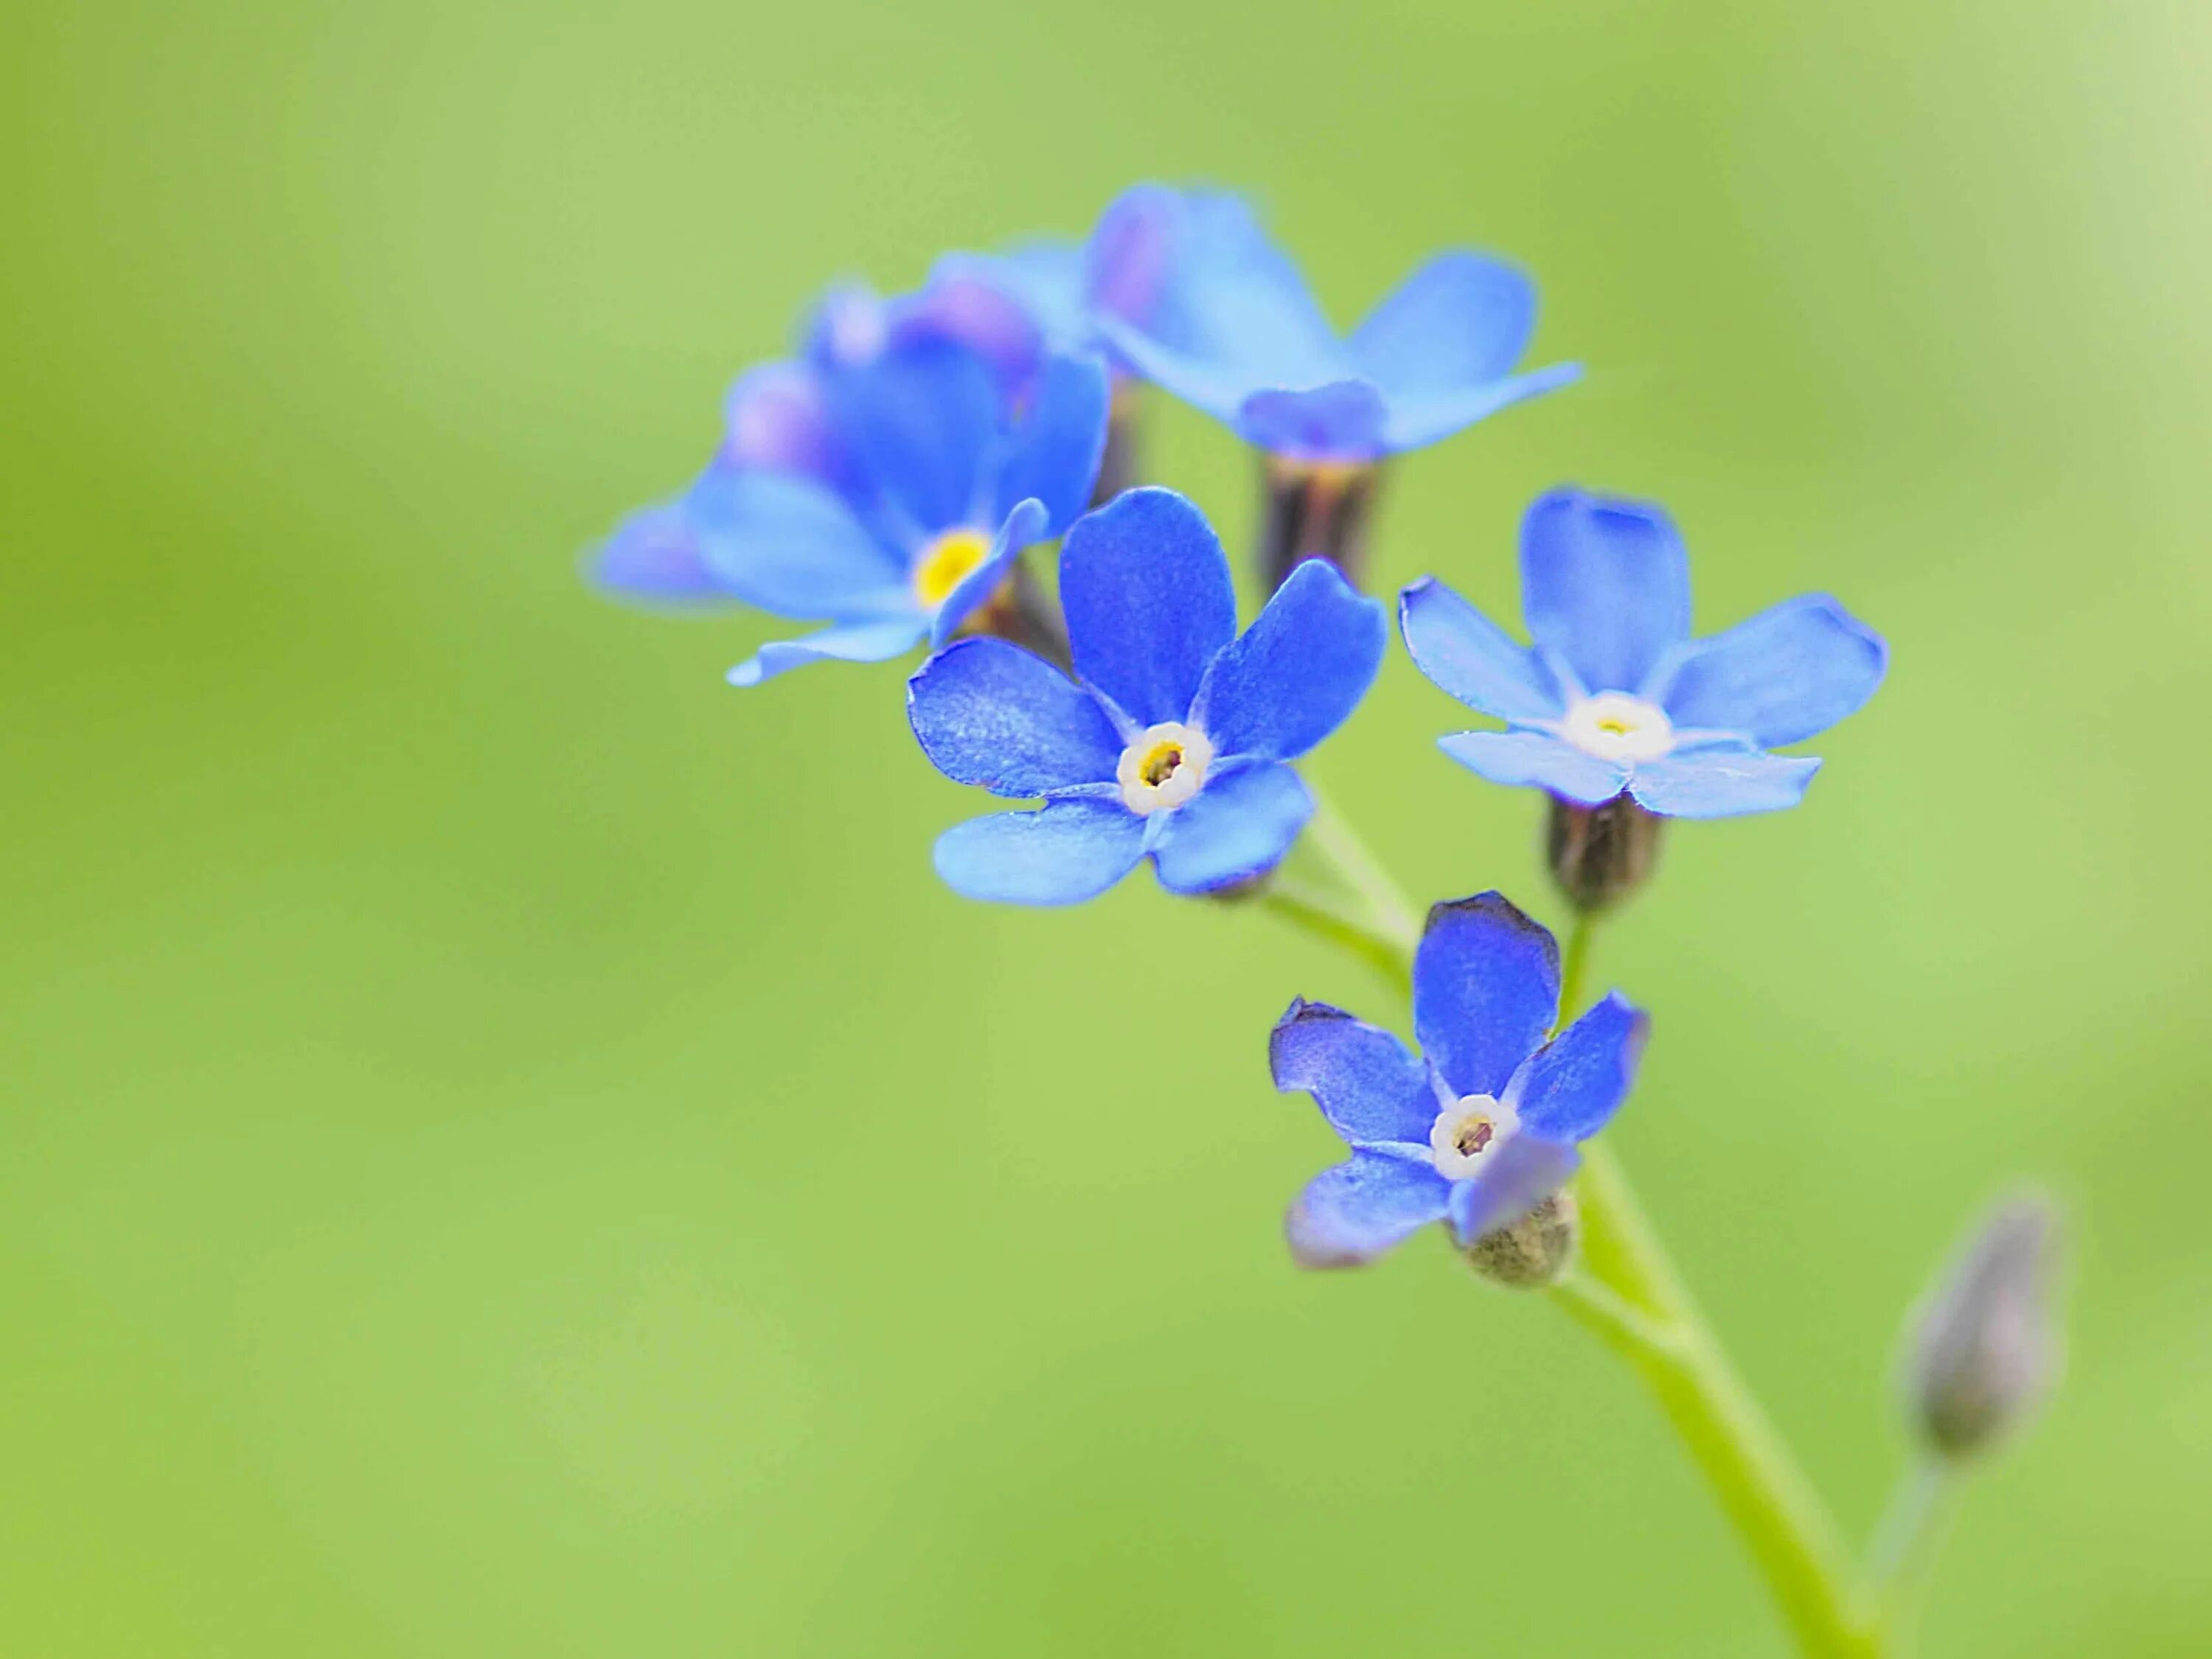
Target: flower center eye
x,y
1468,1132
1615,726
1164,768
947,563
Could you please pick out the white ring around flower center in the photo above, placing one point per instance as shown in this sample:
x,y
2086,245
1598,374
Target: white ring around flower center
x,y
1615,726
1469,1131
1164,768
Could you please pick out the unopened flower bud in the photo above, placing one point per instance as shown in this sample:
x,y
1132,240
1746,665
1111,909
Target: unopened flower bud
x,y
1532,1252
1601,854
1315,510
1986,1344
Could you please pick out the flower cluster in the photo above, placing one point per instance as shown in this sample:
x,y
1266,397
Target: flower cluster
x,y
886,479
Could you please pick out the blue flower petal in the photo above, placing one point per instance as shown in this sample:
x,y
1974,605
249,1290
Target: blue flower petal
x,y
924,418
655,555
1239,826
989,713
1218,389
1605,584
964,303
1350,1214
1519,759
859,641
1231,299
1024,528
1149,231
1575,1082
1788,672
1339,421
1145,586
1044,276
1369,1084
1485,990
1721,782
1521,1174
776,419
1072,850
1465,654
1417,419
788,545
1056,450
1298,671
1460,319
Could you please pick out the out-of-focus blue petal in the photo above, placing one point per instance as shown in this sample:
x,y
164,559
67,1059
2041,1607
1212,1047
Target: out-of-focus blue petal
x,y
1522,759
1422,418
989,713
1218,389
1369,1084
1575,1082
1044,276
1521,1174
1146,231
787,544
1145,586
1229,297
1788,672
1239,825
1485,988
655,555
960,302
1070,850
1341,420
776,419
1298,671
1720,782
1460,319
1024,528
924,420
1350,1214
1469,656
1057,447
1605,584
848,326
859,641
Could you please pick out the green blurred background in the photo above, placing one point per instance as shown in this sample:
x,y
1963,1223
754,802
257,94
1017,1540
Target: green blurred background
x,y
507,1149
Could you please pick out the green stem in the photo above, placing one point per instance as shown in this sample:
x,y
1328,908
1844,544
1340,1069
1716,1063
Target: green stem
x,y
1911,1535
1628,1293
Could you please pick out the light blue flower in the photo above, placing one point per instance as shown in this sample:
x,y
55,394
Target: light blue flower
x,y
1615,695
1479,1128
1173,739
1228,325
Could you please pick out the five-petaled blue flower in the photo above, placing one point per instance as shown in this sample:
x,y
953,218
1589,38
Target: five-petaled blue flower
x,y
1173,743
1481,1125
1615,694
1230,327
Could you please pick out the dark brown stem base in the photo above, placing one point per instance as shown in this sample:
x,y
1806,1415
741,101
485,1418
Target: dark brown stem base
x,y
1601,854
1315,510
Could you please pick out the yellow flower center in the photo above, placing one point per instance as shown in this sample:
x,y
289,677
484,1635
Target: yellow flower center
x,y
1466,1131
1164,768
945,563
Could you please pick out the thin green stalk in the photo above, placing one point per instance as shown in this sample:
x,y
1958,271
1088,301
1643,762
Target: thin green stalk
x,y
1628,1293
1913,1532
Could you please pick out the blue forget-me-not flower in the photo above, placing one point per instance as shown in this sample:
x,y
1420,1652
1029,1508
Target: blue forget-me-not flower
x,y
1614,695
1481,1125
1173,739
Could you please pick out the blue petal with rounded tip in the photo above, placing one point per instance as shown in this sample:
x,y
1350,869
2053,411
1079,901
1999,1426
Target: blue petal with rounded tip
x,y
964,305
1218,389
859,641
1521,1174
1230,298
1145,586
1056,451
1070,851
655,555
1485,990
787,544
776,419
924,423
1458,320
1024,526
989,713
1044,276
1238,825
1787,673
1368,1085
1465,654
1519,758
1350,1214
1149,233
1721,782
1298,671
1574,1083
1339,421
1605,584
1422,418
